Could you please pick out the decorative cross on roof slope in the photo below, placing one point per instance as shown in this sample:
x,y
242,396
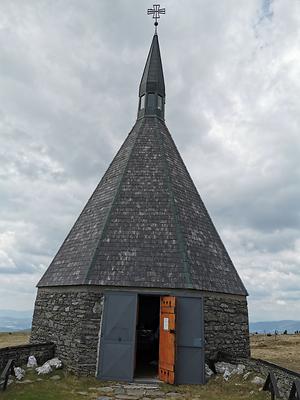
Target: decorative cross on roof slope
x,y
156,11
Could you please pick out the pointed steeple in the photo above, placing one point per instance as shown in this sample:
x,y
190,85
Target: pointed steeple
x,y
145,225
152,87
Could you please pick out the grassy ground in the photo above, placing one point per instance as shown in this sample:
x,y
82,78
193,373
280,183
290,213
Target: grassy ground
x,y
13,339
284,351
72,388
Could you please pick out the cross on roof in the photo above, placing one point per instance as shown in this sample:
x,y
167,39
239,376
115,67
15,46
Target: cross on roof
x,y
156,11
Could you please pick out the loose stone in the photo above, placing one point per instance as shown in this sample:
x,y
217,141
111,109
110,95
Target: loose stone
x,y
246,376
258,380
25,381
55,378
105,389
119,390
154,393
135,392
104,398
141,386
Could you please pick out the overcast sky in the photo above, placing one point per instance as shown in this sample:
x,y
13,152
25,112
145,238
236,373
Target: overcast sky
x,y
69,76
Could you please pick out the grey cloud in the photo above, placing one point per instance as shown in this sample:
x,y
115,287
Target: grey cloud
x,y
69,80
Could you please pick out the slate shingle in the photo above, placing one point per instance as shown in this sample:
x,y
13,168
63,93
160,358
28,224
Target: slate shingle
x,y
145,225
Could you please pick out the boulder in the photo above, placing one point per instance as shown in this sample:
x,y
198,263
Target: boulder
x,y
31,363
19,373
44,369
221,367
240,369
55,363
228,370
257,380
208,372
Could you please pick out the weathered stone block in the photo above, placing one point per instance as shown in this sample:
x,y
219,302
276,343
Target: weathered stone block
x,y
226,325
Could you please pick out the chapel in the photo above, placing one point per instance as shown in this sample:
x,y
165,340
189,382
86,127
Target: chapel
x,y
143,287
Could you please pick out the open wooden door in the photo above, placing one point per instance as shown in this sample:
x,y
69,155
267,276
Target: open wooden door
x,y
167,339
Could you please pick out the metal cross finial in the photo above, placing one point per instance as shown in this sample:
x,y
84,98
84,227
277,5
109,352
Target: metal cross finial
x,y
156,11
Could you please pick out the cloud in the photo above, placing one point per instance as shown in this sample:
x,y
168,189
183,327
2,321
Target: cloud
x,y
6,241
69,75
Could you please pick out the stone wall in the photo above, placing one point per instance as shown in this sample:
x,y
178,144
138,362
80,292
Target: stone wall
x,y
70,318
284,377
20,354
226,325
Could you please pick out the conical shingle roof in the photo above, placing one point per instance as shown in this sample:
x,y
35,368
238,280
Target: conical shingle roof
x,y
145,225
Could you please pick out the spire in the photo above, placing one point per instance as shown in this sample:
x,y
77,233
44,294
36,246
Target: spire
x,y
152,87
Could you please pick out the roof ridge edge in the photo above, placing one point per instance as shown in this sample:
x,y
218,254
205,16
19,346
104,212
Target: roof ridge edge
x,y
208,215
85,281
179,235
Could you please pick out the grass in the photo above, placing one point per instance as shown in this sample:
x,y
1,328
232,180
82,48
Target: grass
x,y
284,351
69,386
235,389
14,339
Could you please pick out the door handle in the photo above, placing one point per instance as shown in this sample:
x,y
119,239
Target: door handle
x,y
172,331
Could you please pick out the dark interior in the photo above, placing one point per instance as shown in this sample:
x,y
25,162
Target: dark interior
x,y
147,337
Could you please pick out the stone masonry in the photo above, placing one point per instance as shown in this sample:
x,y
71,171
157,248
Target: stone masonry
x,y
284,377
226,325
42,352
71,317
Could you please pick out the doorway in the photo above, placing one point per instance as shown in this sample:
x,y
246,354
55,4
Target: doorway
x,y
147,337
132,326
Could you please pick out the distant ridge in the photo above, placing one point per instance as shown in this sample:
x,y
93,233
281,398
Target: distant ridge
x,y
16,314
270,326
12,320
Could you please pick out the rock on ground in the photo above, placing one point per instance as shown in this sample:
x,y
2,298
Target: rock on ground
x,y
103,398
246,376
19,373
105,389
44,369
208,372
31,363
55,378
228,370
257,380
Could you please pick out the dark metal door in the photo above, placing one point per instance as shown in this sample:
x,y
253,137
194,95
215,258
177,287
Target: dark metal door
x,y
190,360
117,342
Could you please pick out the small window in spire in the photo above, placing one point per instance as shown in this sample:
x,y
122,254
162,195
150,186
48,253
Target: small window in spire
x,y
142,102
151,101
159,102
